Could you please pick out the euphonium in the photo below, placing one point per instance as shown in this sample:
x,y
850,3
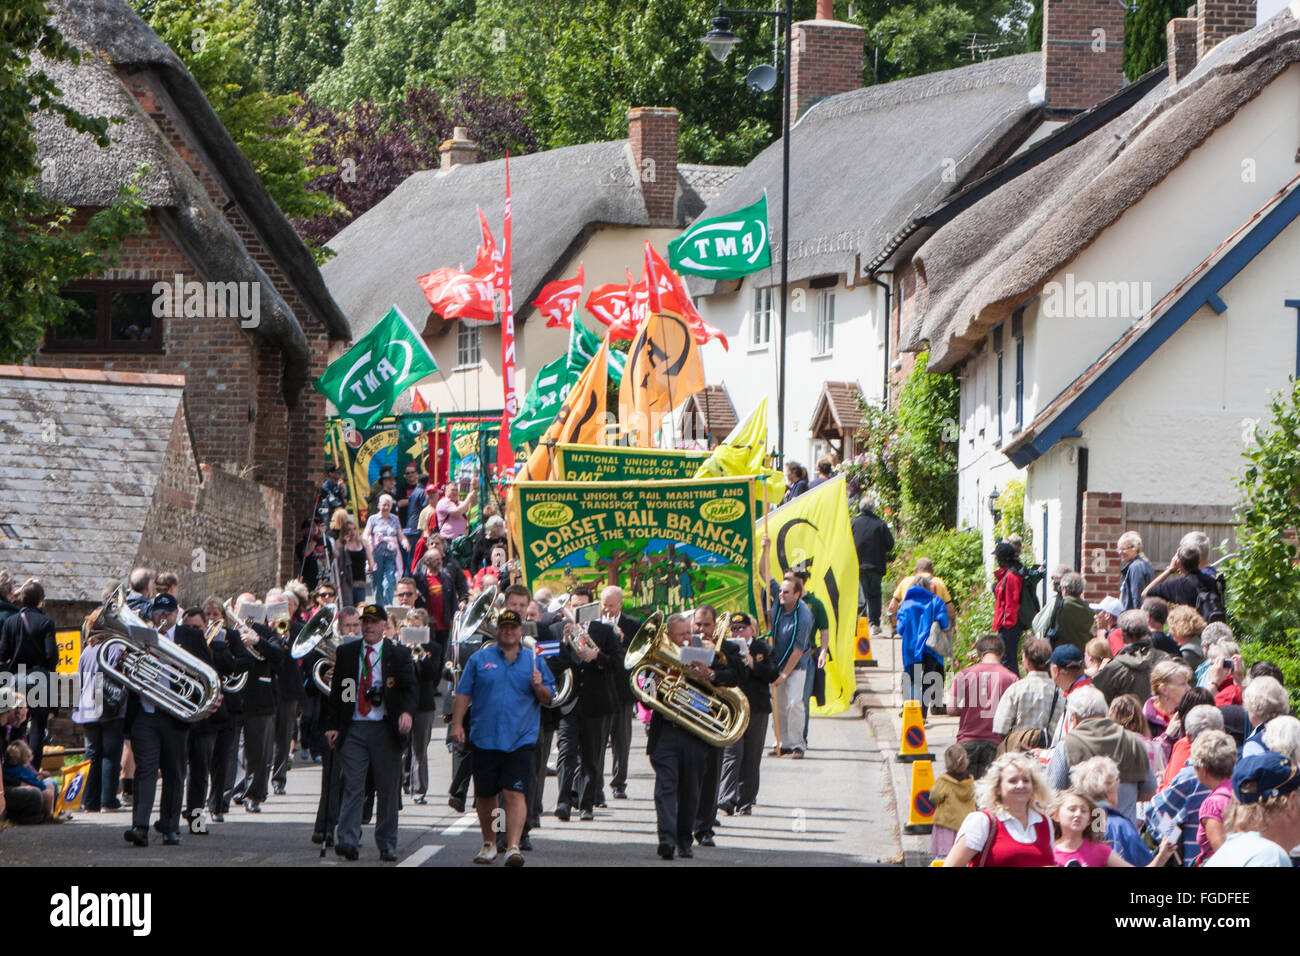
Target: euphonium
x,y
160,671
717,715
320,634
564,684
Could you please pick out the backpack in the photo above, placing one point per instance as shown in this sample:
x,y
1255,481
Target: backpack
x,y
1029,606
1209,601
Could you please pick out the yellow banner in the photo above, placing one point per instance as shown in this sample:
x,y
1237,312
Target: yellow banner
x,y
72,787
815,528
69,650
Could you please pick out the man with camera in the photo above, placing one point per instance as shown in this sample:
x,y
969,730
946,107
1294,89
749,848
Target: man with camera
x,y
372,706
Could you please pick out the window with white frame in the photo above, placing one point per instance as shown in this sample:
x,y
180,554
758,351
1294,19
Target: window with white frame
x,y
468,344
824,329
761,330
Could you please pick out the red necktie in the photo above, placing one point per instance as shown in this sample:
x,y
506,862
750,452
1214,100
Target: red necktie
x,y
363,702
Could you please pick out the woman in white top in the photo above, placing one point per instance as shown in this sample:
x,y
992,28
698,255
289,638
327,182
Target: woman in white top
x,y
1011,827
383,537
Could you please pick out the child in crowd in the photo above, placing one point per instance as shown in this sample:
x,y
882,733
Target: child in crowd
x,y
18,772
953,796
1095,654
1080,827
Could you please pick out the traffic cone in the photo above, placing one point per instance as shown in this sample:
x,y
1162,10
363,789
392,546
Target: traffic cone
x,y
913,746
862,648
920,811
937,861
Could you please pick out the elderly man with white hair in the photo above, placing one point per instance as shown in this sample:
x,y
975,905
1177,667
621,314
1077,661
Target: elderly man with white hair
x,y
1090,732
620,726
1264,699
491,535
383,538
1135,572
1174,812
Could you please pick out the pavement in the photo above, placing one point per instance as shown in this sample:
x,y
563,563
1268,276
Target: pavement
x,y
834,808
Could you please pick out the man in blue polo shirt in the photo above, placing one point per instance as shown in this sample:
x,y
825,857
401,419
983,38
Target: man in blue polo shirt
x,y
507,688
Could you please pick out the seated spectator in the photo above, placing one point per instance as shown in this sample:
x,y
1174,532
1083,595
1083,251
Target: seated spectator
x,y
1213,757
1182,748
976,692
1095,655
1263,819
1034,702
1098,779
1186,628
1126,710
1174,811
1264,699
1225,663
1090,732
1129,671
19,773
1170,680
1011,827
1157,612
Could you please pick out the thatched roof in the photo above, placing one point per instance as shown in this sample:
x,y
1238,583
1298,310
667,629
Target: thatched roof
x,y
112,28
863,163
430,221
1000,252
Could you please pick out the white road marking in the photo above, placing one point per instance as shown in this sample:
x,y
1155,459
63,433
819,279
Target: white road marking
x,y
461,825
419,856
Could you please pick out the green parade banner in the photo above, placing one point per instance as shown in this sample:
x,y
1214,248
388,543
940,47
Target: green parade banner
x,y
725,247
365,382
615,463
670,545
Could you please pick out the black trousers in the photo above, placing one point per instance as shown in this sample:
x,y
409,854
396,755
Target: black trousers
x,y
258,731
740,765
1011,647
202,748
40,716
286,720
462,769
620,741
224,753
870,582
537,791
582,747
678,760
158,742
706,815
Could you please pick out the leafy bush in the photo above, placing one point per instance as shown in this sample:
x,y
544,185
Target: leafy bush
x,y
1011,504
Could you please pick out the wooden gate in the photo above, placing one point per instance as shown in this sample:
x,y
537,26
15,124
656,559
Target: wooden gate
x,y
1162,526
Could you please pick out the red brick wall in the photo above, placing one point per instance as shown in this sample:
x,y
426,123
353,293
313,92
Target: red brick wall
x,y
1217,20
1082,66
827,60
1103,517
1180,40
652,131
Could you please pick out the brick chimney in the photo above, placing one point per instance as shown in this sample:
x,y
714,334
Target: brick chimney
x,y
1083,52
652,132
460,150
826,58
1216,20
1180,39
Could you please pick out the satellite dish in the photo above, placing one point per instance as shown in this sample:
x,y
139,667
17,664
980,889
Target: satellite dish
x,y
761,79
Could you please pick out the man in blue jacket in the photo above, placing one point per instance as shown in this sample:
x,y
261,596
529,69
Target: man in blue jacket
x,y
922,667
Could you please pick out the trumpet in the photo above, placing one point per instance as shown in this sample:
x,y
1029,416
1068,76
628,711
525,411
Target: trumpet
x,y
237,624
576,636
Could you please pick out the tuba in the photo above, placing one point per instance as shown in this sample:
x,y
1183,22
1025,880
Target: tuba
x,y
320,634
159,671
717,715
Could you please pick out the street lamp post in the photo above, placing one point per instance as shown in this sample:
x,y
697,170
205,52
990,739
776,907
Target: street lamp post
x,y
720,40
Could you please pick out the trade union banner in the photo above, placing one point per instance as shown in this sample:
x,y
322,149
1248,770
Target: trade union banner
x,y
814,528
615,463
671,545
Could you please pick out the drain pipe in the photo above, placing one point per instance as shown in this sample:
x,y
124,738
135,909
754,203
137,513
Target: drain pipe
x,y
889,320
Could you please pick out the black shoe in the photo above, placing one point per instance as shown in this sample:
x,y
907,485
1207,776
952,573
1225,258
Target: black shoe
x,y
706,840
387,856
218,818
278,789
347,852
419,801
157,825
252,806
137,836
728,808
746,811
940,709
318,838
534,823
329,839
600,799
456,803
587,815
562,813
685,852
666,850
171,839
525,844
620,794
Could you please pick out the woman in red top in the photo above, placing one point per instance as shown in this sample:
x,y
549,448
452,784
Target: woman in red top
x,y
1224,660
1011,827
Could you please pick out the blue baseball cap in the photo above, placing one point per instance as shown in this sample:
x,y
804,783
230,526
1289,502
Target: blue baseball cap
x,y
1261,776
1067,655
165,603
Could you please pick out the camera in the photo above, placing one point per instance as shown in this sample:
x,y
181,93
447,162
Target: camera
x,y
375,694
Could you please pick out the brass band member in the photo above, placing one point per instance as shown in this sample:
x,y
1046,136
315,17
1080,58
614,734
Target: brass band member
x,y
327,806
203,736
263,654
226,743
620,725
741,760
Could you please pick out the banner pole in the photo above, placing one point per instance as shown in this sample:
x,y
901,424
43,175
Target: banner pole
x,y
776,719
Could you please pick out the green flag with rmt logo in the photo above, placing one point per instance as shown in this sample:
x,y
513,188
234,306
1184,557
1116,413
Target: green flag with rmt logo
x,y
725,247
365,382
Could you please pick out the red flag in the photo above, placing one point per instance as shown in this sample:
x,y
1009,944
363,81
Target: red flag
x,y
558,299
418,404
672,295
489,257
458,295
612,305
510,405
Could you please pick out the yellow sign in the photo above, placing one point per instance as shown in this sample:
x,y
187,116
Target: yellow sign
x,y
69,651
72,787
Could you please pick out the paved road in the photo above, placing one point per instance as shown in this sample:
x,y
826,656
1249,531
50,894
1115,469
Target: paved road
x,y
834,808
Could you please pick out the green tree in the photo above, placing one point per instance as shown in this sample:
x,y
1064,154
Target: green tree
x,y
924,36
41,248
214,40
1264,578
927,470
295,41
1034,29
1145,46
